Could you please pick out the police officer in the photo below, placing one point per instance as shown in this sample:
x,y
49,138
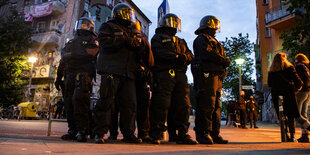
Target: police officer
x,y
117,65
209,71
67,87
252,106
80,54
143,82
171,56
242,110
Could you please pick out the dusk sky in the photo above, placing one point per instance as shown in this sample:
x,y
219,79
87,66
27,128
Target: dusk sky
x,y
236,16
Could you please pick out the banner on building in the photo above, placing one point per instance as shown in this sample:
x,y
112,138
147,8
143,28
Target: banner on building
x,y
42,10
162,10
28,17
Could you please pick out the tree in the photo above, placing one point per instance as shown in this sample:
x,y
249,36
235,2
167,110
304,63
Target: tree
x,y
238,47
297,39
15,34
15,39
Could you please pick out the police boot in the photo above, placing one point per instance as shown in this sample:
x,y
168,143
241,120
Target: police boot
x,y
81,136
70,135
219,140
204,138
292,139
99,139
303,139
131,139
172,137
184,138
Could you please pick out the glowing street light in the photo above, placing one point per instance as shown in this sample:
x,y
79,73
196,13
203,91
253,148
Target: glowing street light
x,y
32,60
240,61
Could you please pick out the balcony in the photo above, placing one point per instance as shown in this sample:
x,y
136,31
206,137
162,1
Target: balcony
x,y
280,18
54,7
47,38
58,7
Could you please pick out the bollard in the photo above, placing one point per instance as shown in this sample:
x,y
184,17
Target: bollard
x,y
282,120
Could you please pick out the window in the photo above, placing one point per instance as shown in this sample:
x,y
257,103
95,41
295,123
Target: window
x,y
27,2
109,2
86,6
41,27
265,2
98,11
267,32
54,25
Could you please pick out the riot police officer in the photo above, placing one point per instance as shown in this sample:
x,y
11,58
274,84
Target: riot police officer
x,y
143,82
171,56
80,54
117,65
67,88
252,106
209,71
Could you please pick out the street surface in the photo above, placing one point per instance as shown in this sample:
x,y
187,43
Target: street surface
x,y
30,137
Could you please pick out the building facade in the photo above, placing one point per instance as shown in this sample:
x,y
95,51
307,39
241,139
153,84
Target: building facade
x,y
54,23
273,19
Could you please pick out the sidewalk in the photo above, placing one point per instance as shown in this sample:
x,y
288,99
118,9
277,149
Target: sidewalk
x,y
29,137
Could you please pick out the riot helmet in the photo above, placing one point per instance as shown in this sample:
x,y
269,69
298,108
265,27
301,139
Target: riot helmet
x,y
87,24
208,22
123,11
170,20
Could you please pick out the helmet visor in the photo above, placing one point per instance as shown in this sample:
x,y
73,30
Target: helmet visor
x,y
214,24
86,25
173,22
127,14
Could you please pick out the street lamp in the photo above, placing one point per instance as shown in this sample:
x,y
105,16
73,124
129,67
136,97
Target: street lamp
x,y
240,61
31,60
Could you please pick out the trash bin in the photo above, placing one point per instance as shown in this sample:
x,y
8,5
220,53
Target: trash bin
x,y
29,109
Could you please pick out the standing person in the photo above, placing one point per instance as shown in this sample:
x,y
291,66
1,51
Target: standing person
x,y
172,57
252,105
242,110
209,71
59,109
67,88
80,54
143,81
284,81
303,96
117,65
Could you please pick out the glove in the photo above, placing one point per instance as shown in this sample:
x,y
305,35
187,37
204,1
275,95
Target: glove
x,y
57,84
181,59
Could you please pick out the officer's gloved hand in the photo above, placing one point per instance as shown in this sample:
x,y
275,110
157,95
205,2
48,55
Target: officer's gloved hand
x,y
57,84
181,59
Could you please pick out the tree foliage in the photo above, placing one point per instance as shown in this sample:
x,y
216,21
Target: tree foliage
x,y
15,39
238,47
297,39
15,34
11,82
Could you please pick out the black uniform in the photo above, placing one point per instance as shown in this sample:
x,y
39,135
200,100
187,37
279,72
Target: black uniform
x,y
252,106
209,71
172,57
242,111
117,65
143,79
81,70
67,87
143,82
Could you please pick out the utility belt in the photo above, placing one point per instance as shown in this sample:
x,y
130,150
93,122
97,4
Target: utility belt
x,y
172,72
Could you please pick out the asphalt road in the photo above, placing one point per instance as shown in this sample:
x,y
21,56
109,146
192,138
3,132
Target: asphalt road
x,y
30,137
